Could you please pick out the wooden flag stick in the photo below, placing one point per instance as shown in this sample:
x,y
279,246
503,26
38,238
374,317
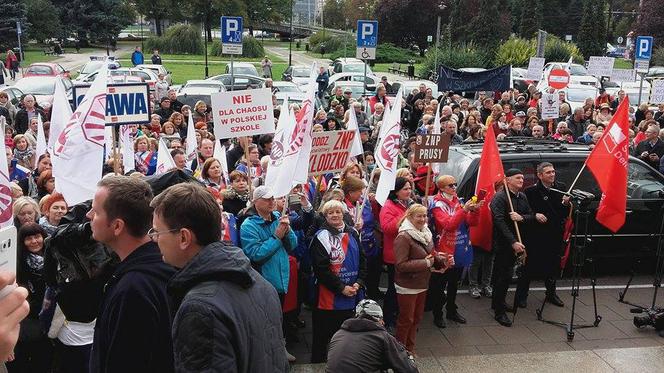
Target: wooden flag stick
x,y
509,200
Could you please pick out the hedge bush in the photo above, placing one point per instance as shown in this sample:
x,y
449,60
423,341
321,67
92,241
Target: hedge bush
x,y
178,39
458,56
386,53
557,50
657,57
517,51
251,48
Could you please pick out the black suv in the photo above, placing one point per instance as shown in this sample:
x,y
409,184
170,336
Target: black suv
x,y
645,189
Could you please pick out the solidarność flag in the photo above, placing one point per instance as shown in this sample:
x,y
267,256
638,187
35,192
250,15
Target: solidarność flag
x,y
608,162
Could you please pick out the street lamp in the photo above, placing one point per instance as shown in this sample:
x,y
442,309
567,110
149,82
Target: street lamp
x,y
141,23
290,40
207,71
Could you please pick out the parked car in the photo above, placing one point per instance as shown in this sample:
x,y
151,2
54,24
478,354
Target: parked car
x,y
145,75
240,81
298,74
357,89
576,94
644,189
199,90
631,90
409,85
242,68
287,87
93,65
14,93
42,87
371,81
46,69
350,65
519,79
158,69
578,74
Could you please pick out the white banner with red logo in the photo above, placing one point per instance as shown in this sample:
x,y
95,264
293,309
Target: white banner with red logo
x,y
5,190
387,151
165,162
79,151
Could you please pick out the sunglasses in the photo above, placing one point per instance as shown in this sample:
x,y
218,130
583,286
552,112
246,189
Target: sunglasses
x,y
453,185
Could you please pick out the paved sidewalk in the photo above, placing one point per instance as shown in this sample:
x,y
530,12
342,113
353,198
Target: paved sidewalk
x,y
482,335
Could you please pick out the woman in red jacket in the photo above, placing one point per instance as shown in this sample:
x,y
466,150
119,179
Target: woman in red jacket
x,y
394,209
453,220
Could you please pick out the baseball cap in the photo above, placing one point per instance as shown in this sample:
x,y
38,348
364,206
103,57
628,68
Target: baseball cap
x,y
520,114
262,192
370,308
513,172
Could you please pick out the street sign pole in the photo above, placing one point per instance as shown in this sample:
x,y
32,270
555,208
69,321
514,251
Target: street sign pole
x,y
435,52
364,85
19,32
367,41
642,55
231,40
641,89
232,73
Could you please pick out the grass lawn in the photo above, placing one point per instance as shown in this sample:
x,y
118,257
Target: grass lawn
x,y
201,57
622,64
36,54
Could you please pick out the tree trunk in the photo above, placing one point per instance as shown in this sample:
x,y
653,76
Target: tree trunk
x,y
251,29
157,26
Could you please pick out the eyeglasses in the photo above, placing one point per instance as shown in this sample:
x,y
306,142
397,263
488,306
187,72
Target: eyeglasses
x,y
154,234
453,185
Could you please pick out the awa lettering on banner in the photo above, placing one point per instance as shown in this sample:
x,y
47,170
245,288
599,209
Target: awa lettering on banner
x,y
242,113
330,151
126,103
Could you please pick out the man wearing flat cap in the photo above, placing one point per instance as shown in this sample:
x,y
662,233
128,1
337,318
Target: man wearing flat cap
x,y
506,244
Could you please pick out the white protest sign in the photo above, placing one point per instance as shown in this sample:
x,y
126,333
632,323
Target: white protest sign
x,y
657,92
126,103
623,75
535,67
600,66
330,151
550,106
242,113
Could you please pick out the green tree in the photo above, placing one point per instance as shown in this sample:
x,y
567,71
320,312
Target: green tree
x,y
94,19
10,12
157,11
209,12
592,33
263,11
462,12
43,16
333,14
651,20
484,29
531,18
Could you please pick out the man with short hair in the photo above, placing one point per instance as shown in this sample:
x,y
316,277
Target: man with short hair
x,y
180,159
451,130
156,58
505,244
651,149
322,79
164,110
388,86
228,317
205,151
137,56
538,132
617,100
133,329
175,104
545,238
161,88
577,123
24,116
364,345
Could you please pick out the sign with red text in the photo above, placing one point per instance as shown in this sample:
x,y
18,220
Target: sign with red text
x,y
242,113
330,151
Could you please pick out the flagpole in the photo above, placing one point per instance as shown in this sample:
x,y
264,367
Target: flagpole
x,y
509,199
246,157
366,192
116,157
428,184
577,178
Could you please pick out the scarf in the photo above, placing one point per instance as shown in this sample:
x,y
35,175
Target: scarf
x,y
35,262
23,155
423,236
244,197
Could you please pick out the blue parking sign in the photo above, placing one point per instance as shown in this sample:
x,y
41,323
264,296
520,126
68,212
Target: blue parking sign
x,y
644,46
367,34
231,35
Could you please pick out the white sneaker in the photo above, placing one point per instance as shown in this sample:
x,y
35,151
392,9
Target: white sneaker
x,y
475,292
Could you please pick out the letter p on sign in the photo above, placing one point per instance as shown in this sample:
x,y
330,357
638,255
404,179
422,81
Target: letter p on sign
x,y
231,27
644,46
367,30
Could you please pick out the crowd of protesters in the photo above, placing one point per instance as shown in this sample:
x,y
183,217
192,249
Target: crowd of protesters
x,y
324,247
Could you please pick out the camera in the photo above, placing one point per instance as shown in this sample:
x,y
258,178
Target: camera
x,y
654,318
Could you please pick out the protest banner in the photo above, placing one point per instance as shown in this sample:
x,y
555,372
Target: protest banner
x,y
126,103
330,151
623,75
550,106
657,92
432,148
600,66
535,67
242,113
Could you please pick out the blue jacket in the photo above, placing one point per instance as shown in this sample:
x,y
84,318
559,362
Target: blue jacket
x,y
265,250
137,58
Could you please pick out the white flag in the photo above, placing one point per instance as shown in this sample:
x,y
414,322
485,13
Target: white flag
x,y
191,145
165,162
41,140
128,161
5,190
435,167
220,155
108,141
78,154
303,130
60,113
356,149
388,150
568,66
283,161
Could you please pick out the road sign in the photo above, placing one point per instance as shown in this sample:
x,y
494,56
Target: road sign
x,y
620,39
367,39
644,46
535,67
18,28
432,148
550,106
558,78
642,66
429,38
231,35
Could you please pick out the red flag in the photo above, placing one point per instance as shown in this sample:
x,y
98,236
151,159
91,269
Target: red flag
x,y
490,172
639,137
608,162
